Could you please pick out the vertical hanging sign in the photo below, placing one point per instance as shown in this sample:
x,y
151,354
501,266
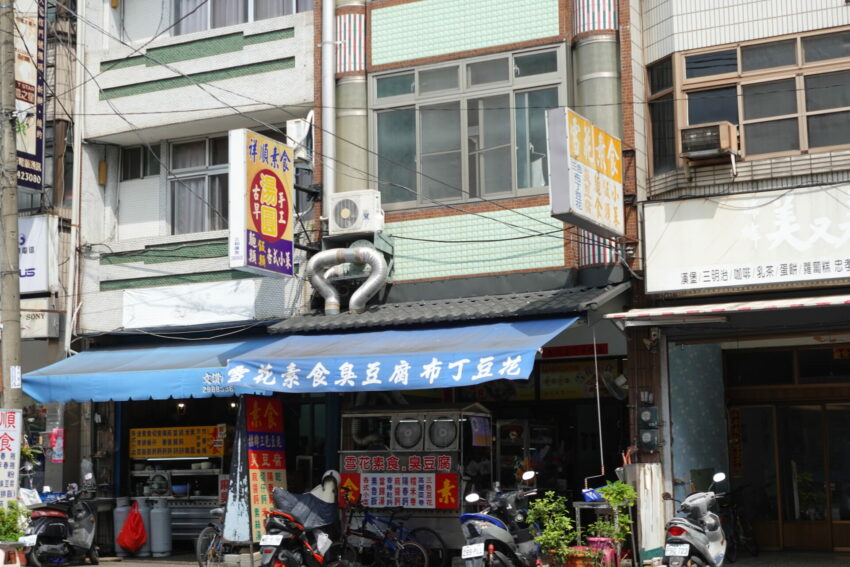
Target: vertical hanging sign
x,y
10,454
266,456
29,91
585,174
260,214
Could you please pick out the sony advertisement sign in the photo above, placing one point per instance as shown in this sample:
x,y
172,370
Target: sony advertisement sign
x,y
750,239
39,267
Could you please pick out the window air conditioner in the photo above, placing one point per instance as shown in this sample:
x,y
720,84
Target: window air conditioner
x,y
709,141
353,212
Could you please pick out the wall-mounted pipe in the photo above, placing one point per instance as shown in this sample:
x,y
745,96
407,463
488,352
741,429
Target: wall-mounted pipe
x,y
357,304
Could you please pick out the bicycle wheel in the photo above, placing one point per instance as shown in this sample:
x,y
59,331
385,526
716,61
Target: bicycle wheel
x,y
411,554
433,543
208,548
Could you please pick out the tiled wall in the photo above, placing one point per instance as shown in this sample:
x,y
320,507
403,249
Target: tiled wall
x,y
437,27
677,25
488,254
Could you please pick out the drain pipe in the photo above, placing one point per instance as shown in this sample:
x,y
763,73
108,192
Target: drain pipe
x,y
316,273
328,98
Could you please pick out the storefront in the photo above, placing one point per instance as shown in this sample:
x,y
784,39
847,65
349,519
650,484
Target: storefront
x,y
164,416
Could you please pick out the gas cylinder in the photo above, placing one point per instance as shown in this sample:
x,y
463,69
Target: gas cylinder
x,y
119,515
145,511
160,532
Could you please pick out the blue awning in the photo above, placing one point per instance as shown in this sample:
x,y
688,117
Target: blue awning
x,y
411,359
157,372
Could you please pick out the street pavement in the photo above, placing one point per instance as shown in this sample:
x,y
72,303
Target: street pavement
x,y
767,559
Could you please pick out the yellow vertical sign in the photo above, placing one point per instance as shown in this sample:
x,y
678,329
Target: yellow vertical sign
x,y
596,173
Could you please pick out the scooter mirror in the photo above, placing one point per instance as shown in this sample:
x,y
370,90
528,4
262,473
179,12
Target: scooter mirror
x,y
472,497
528,475
719,477
667,496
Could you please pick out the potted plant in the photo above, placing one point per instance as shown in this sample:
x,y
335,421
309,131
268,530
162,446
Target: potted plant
x,y
557,534
610,532
13,522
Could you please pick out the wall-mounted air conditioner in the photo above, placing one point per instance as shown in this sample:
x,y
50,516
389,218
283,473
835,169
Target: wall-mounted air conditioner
x,y
709,141
354,212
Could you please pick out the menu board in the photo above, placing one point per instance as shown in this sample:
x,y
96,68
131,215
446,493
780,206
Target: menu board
x,y
388,490
177,442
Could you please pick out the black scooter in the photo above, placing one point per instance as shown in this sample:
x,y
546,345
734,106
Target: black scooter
x,y
61,531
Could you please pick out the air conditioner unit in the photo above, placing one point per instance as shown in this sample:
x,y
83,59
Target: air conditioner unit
x,y
442,433
709,141
408,432
298,136
353,212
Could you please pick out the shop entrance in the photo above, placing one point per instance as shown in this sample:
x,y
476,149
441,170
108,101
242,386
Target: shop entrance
x,y
791,473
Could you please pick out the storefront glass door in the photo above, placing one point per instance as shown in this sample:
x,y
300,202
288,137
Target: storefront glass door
x,y
803,477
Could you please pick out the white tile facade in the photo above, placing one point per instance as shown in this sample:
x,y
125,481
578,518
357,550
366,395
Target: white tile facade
x,y
681,25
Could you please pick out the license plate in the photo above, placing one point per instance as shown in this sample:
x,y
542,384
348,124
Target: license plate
x,y
472,551
677,549
271,539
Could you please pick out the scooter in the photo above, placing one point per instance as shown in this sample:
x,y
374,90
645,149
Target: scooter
x,y
297,527
696,538
62,530
498,535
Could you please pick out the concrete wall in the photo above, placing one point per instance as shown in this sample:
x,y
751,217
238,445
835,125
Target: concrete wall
x,y
269,64
676,25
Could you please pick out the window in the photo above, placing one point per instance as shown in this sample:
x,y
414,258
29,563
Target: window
x,y
661,116
787,96
198,185
198,15
466,131
138,162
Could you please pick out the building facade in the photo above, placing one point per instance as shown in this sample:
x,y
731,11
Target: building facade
x,y
743,321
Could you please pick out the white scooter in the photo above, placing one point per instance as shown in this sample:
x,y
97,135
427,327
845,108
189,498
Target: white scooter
x,y
696,539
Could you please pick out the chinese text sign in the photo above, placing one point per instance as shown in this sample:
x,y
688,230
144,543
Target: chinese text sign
x,y
266,456
586,174
10,454
261,196
29,91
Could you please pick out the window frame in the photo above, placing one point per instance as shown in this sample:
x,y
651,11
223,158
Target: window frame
x,y
463,93
144,162
181,175
249,16
799,71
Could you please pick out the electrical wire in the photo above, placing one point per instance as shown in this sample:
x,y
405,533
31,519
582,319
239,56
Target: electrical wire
x,y
202,85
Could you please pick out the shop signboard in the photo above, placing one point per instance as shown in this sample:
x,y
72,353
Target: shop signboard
x,y
750,239
574,379
10,454
400,462
177,442
29,91
266,456
261,197
411,490
585,174
38,258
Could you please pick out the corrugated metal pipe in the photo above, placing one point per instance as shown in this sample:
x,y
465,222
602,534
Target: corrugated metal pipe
x,y
357,304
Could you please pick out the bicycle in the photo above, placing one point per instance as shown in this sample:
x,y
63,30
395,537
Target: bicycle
x,y
390,545
210,547
738,530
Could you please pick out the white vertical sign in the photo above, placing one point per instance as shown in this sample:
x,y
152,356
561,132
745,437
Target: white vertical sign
x,y
10,454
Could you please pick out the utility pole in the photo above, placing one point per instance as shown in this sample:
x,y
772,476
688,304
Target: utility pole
x,y
10,283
